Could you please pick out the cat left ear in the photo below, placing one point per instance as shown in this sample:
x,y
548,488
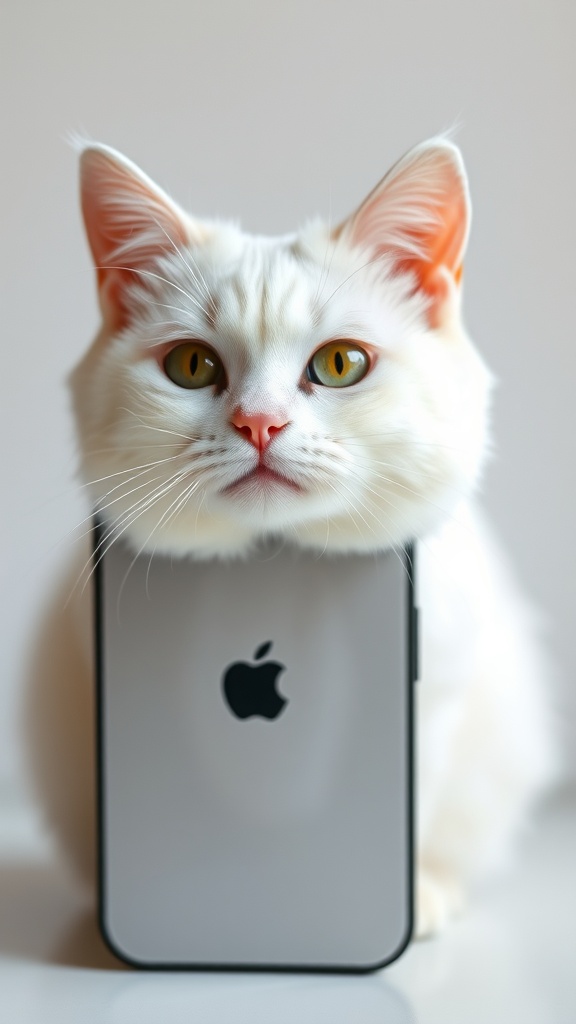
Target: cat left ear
x,y
129,221
419,216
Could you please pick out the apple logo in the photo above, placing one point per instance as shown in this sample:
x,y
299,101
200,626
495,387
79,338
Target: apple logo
x,y
251,689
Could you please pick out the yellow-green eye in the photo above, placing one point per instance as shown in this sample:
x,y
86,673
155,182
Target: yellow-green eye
x,y
193,365
338,364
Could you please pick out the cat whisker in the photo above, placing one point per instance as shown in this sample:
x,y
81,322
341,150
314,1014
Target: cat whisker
x,y
73,533
145,467
200,503
383,435
123,523
357,501
379,494
89,452
119,526
141,503
419,472
421,497
101,507
379,521
446,513
347,509
327,518
161,430
397,483
186,494
94,513
179,503
147,541
77,486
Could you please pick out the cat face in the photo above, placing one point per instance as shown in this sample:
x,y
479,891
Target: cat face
x,y
318,386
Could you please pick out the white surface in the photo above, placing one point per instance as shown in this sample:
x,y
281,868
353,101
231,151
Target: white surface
x,y
273,113
510,960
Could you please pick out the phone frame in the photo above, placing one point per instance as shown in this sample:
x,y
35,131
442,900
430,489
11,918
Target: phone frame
x,y
412,662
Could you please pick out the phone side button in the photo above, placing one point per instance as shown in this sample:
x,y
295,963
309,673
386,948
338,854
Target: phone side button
x,y
415,644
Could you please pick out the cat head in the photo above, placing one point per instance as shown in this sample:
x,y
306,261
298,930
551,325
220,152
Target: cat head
x,y
318,386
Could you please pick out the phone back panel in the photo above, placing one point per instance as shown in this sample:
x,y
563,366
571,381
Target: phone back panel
x,y
255,759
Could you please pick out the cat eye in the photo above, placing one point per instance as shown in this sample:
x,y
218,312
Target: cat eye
x,y
193,365
338,364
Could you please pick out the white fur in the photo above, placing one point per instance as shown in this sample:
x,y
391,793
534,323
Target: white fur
x,y
395,457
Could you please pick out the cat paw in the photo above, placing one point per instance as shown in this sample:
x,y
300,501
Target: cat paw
x,y
439,898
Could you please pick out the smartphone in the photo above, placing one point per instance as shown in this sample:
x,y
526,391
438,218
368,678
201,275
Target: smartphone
x,y
255,748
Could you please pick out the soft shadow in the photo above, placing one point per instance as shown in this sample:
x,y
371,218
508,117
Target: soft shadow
x,y
43,919
83,946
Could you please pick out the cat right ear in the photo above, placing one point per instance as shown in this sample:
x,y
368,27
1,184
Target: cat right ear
x,y
129,221
418,218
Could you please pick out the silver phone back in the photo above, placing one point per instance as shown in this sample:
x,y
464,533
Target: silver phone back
x,y
255,815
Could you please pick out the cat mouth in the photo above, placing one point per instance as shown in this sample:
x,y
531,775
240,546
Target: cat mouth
x,y
262,476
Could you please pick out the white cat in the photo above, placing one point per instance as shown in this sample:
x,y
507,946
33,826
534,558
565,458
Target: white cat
x,y
319,386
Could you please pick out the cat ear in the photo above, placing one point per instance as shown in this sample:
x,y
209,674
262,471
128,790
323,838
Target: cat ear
x,y
129,221
419,215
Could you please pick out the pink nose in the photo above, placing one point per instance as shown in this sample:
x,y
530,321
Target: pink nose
x,y
259,427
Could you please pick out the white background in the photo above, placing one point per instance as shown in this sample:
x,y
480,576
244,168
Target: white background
x,y
272,113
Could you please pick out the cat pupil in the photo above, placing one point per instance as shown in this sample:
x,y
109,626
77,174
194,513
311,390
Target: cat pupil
x,y
194,363
339,363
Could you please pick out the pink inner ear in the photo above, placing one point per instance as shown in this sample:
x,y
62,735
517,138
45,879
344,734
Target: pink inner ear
x,y
443,246
419,214
129,222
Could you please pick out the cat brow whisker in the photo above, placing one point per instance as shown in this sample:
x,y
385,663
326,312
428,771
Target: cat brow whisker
x,y
335,246
320,283
167,305
164,280
199,277
368,263
178,327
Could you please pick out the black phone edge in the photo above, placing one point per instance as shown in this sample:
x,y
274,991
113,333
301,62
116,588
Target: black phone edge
x,y
412,662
